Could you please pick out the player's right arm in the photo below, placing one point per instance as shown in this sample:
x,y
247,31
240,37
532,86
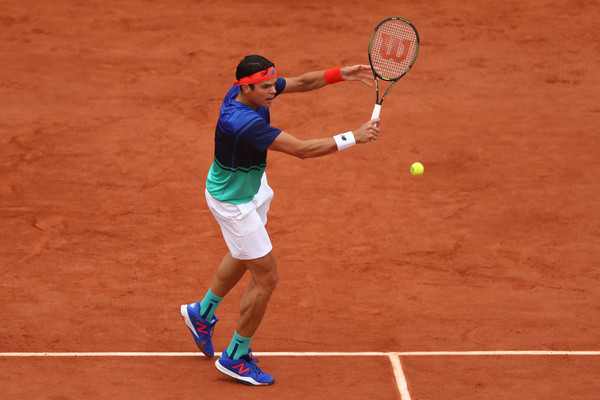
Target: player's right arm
x,y
310,148
317,79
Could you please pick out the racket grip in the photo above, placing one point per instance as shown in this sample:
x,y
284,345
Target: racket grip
x,y
376,111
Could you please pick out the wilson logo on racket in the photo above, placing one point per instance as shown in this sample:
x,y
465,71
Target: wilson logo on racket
x,y
390,46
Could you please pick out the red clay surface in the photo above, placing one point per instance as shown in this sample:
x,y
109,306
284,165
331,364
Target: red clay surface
x,y
106,133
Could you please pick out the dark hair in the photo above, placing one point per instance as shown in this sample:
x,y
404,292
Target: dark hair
x,y
251,65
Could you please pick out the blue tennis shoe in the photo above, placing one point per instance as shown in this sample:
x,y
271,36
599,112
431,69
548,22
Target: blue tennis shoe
x,y
245,369
201,330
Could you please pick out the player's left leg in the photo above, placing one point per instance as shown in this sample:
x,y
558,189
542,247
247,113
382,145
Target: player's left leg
x,y
229,273
199,317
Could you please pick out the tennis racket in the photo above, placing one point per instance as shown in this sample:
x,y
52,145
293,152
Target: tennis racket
x,y
393,50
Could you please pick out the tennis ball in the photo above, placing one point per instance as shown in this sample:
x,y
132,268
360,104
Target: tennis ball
x,y
417,169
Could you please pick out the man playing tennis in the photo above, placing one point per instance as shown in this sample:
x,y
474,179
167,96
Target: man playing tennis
x,y
239,197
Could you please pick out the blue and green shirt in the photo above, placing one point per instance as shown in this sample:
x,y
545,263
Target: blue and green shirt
x,y
242,137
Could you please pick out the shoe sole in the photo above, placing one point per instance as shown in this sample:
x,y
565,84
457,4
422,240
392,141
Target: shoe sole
x,y
188,322
243,379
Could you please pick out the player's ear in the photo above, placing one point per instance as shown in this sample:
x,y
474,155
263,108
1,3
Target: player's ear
x,y
245,88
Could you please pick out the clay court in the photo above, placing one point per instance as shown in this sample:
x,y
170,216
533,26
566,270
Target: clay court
x,y
477,280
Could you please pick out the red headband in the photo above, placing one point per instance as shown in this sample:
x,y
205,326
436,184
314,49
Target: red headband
x,y
258,77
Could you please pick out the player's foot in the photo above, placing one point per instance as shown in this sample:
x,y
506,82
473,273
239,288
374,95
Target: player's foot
x,y
245,369
201,330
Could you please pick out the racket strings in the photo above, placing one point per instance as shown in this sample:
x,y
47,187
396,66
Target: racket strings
x,y
393,48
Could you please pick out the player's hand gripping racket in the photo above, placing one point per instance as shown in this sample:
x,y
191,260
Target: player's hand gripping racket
x,y
393,50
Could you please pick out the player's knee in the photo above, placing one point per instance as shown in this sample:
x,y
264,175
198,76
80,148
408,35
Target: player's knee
x,y
270,281
265,274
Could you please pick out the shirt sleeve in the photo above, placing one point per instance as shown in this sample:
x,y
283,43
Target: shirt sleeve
x,y
279,86
259,135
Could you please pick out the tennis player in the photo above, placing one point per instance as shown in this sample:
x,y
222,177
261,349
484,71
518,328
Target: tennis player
x,y
239,197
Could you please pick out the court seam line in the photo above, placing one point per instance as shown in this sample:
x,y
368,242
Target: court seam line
x,y
394,357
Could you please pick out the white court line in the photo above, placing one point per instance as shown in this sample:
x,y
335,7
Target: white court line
x,y
400,378
194,354
316,354
500,353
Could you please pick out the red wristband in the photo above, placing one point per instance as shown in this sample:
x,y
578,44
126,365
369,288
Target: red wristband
x,y
333,75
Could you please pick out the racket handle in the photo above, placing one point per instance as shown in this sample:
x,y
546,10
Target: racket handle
x,y
376,111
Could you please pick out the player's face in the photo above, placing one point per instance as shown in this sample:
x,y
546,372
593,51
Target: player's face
x,y
263,93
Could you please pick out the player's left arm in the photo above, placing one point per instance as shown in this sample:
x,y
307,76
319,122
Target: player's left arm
x,y
309,148
317,79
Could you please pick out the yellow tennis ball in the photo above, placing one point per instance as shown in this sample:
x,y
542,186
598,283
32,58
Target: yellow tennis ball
x,y
417,169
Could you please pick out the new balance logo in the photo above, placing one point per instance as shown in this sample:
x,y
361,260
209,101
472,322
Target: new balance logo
x,y
240,368
201,328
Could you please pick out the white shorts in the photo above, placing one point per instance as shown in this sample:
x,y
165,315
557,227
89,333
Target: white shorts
x,y
243,225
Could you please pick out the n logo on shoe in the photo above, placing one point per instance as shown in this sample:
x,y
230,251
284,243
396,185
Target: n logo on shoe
x,y
240,368
202,328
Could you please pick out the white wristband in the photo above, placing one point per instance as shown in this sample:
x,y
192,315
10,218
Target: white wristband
x,y
344,140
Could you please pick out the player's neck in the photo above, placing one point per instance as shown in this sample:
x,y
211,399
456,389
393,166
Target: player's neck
x,y
244,100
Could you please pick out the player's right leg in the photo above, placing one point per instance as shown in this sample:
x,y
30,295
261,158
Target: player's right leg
x,y
237,361
253,303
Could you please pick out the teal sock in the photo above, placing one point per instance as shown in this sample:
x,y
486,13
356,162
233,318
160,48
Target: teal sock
x,y
209,305
239,346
